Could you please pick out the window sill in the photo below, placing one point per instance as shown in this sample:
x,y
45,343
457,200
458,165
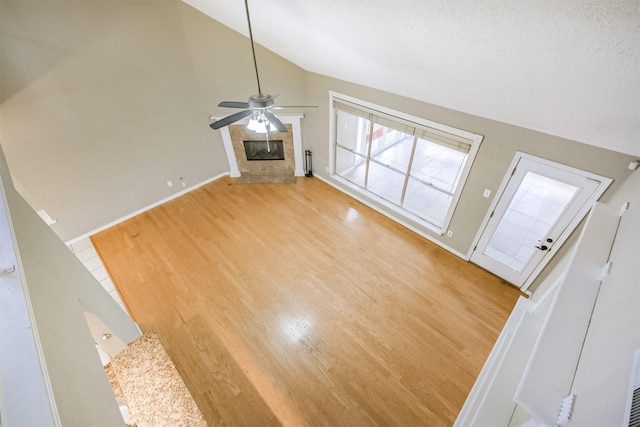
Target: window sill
x,y
386,208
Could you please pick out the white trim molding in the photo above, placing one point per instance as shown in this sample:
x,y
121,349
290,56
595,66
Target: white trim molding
x,y
604,183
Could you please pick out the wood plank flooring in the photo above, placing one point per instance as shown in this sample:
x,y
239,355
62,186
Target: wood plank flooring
x,y
297,305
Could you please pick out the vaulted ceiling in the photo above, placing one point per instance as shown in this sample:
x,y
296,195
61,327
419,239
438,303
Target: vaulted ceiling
x,y
568,68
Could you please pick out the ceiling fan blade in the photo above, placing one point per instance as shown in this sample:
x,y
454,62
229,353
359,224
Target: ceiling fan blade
x,y
230,119
275,121
280,107
233,104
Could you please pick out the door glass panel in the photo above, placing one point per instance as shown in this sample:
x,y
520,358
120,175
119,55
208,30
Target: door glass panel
x,y
351,166
534,209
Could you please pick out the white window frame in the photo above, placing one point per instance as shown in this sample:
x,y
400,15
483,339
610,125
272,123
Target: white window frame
x,y
474,141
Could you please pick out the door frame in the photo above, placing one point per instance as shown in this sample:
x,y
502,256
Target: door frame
x,y
604,184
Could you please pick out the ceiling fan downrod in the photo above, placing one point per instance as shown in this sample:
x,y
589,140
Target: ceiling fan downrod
x,y
257,106
253,49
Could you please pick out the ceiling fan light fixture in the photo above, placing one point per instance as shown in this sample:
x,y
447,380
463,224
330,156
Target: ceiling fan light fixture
x,y
259,123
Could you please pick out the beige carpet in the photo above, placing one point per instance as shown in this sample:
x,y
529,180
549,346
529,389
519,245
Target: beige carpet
x,y
149,383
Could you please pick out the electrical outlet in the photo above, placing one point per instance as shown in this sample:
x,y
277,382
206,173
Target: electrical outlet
x,y
326,169
184,184
449,233
486,193
169,183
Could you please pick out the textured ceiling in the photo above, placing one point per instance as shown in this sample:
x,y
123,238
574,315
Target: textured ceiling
x,y
564,67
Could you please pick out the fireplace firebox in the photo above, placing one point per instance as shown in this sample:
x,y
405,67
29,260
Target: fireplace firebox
x,y
264,150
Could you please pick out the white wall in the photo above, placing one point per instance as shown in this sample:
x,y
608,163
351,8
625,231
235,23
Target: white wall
x,y
60,290
600,381
604,370
603,373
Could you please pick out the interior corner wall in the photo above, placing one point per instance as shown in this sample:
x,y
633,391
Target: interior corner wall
x,y
58,285
500,144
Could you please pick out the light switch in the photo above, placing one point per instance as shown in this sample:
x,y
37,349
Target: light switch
x,y
486,193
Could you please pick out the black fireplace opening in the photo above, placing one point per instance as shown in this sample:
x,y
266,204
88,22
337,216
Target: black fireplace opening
x,y
264,150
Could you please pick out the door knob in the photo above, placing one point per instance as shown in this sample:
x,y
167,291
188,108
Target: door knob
x,y
543,247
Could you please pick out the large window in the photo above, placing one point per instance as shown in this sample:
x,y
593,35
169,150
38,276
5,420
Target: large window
x,y
410,164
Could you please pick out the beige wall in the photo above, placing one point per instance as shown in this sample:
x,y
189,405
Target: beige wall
x,y
103,102
60,289
501,141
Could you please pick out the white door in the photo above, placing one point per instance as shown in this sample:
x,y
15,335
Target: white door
x,y
540,205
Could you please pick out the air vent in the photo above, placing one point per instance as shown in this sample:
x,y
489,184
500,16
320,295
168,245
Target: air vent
x,y
634,416
633,400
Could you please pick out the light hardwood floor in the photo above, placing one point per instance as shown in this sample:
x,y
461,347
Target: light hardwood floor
x,y
297,305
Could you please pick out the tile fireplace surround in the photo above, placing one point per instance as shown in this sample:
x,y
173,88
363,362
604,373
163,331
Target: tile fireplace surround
x,y
264,171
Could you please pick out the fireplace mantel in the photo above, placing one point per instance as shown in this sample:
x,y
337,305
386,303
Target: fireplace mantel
x,y
292,119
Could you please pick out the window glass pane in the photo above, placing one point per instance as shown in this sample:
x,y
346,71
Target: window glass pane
x,y
350,166
438,165
351,132
395,149
384,137
426,202
385,182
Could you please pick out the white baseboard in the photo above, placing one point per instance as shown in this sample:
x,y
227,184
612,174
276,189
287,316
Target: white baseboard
x,y
146,208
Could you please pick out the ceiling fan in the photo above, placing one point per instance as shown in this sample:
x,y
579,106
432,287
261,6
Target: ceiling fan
x,y
258,106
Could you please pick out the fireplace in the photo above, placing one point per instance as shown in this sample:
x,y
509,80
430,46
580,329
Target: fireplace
x,y
263,150
267,170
